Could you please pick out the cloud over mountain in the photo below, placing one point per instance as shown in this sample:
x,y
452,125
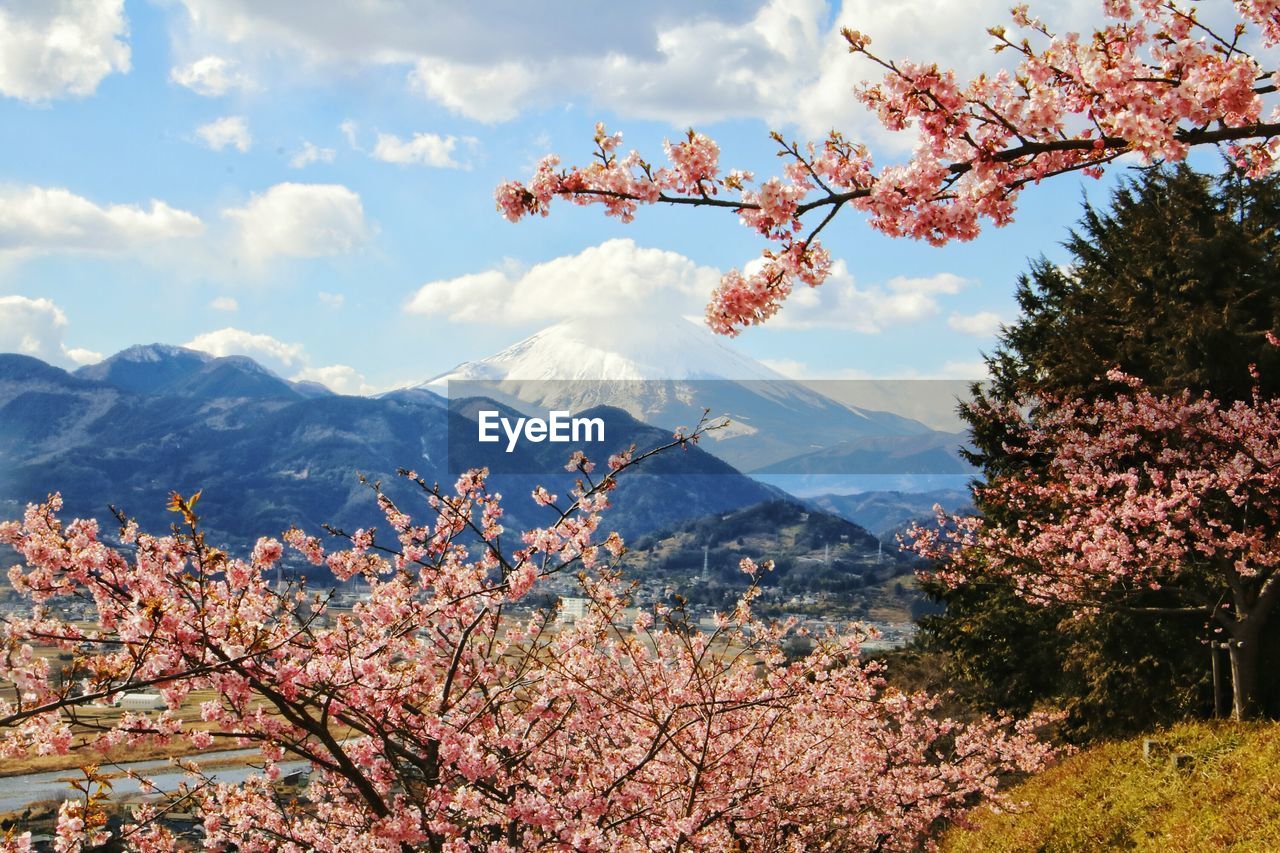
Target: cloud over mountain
x,y
286,359
842,303
619,279
36,327
615,279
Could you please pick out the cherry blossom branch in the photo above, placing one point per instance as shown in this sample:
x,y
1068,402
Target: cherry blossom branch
x,y
1154,82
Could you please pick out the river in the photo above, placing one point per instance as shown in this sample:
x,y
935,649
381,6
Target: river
x,y
17,792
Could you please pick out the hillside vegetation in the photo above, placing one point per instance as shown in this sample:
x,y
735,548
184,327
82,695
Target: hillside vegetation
x,y
1224,795
825,565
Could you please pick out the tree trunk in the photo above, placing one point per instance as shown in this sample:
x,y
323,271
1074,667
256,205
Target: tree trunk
x,y
1244,675
1251,612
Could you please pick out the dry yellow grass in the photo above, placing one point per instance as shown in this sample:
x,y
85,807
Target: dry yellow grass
x,y
1225,796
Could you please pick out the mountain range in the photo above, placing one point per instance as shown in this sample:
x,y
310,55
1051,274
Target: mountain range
x,y
269,453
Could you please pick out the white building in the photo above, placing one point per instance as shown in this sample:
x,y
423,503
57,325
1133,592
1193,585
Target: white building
x,y
140,701
572,608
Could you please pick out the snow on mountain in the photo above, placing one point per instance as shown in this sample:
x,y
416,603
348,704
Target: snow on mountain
x,y
146,368
154,353
157,368
648,349
665,372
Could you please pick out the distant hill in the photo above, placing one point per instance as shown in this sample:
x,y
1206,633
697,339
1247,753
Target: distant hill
x,y
178,371
815,554
925,454
270,454
146,368
886,513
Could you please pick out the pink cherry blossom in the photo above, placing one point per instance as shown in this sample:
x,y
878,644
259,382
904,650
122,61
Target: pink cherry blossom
x,y
1139,491
438,712
1155,81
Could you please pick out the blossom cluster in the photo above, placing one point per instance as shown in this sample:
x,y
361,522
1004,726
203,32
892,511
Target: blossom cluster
x,y
1153,83
431,715
1135,490
1131,493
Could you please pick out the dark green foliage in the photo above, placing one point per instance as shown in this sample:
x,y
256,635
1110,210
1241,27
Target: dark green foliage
x,y
997,651
1117,671
1176,282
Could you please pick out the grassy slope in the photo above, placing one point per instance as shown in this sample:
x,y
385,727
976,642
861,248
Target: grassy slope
x,y
1108,797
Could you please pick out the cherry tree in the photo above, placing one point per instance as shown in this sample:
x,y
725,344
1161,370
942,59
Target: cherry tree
x,y
1154,82
440,714
1140,491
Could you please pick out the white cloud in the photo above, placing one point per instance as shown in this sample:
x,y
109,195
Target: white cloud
x,y
780,61
60,48
36,327
331,300
616,278
974,370
654,60
211,76
301,221
53,219
311,153
840,303
272,353
675,68
933,285
486,92
282,358
224,303
788,367
983,324
425,149
287,220
341,378
620,279
228,130
943,31
349,130
83,356
32,327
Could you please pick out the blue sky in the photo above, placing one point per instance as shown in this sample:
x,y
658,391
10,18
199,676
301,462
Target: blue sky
x,y
311,183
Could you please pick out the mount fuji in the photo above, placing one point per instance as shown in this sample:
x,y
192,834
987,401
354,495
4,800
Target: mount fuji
x,y
665,372
669,348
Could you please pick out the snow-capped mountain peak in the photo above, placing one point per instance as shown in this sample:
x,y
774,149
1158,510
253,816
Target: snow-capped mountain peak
x,y
614,351
151,353
665,372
